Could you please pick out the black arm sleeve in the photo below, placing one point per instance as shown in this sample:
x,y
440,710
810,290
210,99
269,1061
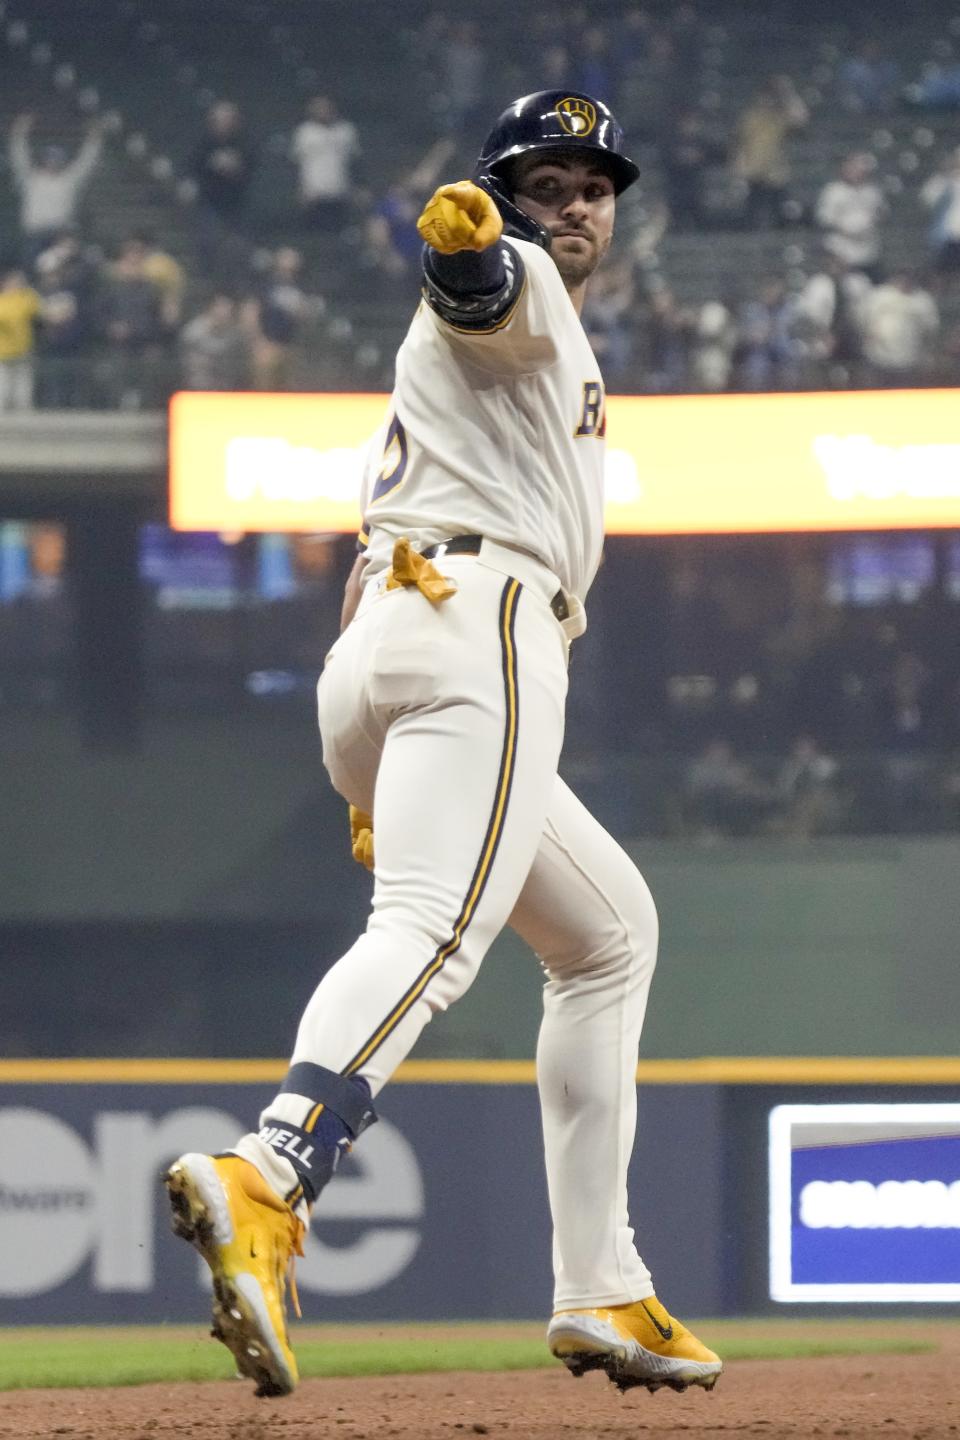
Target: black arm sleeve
x,y
472,290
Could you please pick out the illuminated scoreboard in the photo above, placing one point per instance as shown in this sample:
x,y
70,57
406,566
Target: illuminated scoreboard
x,y
865,1202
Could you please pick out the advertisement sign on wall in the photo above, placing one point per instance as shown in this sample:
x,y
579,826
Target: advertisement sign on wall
x,y
439,1213
865,1203
676,464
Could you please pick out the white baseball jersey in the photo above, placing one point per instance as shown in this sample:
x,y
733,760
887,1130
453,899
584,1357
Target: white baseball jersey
x,y
496,432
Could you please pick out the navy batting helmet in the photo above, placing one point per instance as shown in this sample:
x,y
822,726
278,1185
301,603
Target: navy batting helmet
x,y
549,120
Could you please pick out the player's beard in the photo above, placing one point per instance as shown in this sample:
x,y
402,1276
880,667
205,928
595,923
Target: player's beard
x,y
576,263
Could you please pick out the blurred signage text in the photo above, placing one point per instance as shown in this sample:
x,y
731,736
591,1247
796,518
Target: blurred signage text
x,y
679,464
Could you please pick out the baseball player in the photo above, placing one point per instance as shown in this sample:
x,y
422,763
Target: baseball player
x,y
441,712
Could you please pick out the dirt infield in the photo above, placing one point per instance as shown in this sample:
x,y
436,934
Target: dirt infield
x,y
874,1395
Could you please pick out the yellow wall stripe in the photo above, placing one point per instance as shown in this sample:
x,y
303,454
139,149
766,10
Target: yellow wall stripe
x,y
511,591
707,1070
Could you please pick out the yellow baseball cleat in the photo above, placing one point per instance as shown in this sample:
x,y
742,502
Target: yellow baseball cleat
x,y
638,1344
248,1236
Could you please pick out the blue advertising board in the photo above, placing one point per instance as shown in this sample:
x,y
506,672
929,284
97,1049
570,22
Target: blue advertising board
x,y
865,1202
440,1213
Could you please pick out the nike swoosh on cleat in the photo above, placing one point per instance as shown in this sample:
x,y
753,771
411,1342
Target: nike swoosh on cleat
x,y
665,1334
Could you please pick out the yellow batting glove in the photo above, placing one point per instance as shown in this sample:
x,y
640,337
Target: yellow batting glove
x,y
460,217
361,837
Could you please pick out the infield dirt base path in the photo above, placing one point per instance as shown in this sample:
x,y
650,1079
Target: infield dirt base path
x,y
869,1396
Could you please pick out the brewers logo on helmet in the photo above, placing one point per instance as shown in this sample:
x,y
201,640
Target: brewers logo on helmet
x,y
577,116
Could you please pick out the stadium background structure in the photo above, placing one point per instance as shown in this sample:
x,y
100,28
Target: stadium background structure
x,y
164,815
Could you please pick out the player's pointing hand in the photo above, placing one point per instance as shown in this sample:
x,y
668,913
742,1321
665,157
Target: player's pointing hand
x,y
460,217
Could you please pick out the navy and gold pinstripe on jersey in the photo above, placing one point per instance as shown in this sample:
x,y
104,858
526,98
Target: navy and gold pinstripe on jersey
x,y
491,839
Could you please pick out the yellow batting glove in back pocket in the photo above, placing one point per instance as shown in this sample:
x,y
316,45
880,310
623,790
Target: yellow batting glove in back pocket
x,y
361,837
460,217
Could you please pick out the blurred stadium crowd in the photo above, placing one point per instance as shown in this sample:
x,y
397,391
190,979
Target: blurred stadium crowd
x,y
230,204
233,204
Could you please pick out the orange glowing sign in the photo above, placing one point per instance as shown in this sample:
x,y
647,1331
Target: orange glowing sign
x,y
684,464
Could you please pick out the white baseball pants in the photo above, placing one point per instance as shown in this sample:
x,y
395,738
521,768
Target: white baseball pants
x,y
445,722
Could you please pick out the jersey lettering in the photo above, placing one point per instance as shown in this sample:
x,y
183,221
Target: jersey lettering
x,y
394,463
593,416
